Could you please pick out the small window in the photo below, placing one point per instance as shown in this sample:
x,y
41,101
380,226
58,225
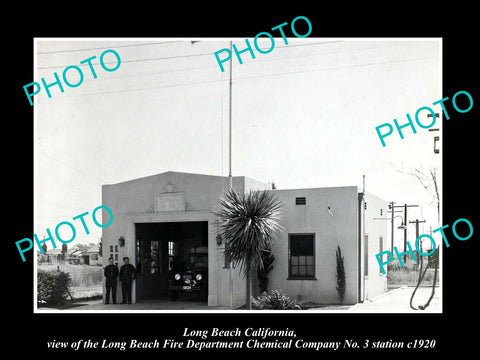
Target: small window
x,y
302,256
301,200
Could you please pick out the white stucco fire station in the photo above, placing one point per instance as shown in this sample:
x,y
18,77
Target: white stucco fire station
x,y
168,214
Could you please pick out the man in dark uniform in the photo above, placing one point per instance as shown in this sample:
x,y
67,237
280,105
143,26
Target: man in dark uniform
x,y
111,275
127,275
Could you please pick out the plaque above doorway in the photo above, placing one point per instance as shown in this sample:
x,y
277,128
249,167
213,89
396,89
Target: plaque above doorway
x,y
170,202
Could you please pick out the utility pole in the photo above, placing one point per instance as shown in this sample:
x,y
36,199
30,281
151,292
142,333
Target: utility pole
x,y
405,231
417,231
391,206
405,221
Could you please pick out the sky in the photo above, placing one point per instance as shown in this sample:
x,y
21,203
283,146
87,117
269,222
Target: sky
x,y
303,116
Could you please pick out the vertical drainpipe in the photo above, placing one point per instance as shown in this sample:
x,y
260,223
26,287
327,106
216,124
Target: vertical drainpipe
x,y
361,229
359,290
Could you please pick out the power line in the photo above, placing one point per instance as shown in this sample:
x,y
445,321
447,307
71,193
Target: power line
x,y
246,64
336,67
154,43
246,77
145,89
251,77
207,54
329,53
130,61
106,47
177,56
98,181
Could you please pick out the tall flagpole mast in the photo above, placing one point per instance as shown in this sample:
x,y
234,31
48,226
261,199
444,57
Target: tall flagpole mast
x,y
230,185
230,127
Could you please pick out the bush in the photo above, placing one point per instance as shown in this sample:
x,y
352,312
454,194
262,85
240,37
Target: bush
x,y
44,285
394,265
53,287
275,300
340,275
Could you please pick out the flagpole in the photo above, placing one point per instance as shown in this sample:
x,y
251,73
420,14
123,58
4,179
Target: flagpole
x,y
230,127
230,180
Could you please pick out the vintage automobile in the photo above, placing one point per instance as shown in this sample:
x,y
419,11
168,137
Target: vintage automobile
x,y
190,279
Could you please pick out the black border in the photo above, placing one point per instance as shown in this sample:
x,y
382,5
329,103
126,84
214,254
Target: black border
x,y
456,25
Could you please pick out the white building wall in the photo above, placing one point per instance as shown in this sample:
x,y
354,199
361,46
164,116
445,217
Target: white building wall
x,y
335,226
376,229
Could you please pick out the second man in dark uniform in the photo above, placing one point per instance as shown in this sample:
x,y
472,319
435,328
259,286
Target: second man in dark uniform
x,y
127,275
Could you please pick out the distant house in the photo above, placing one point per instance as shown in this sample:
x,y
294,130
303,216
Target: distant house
x,y
41,258
92,256
74,257
52,256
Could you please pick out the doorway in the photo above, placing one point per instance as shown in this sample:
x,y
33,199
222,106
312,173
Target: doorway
x,y
160,245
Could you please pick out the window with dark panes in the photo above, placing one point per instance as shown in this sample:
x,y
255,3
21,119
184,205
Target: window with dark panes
x,y
301,255
114,254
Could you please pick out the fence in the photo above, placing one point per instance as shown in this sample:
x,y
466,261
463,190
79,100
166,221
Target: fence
x,y
81,275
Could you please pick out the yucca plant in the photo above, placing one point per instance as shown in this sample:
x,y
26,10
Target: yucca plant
x,y
248,223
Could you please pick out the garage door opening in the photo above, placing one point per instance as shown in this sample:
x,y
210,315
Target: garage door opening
x,y
166,249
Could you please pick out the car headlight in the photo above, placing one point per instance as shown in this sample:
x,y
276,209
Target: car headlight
x,y
178,276
198,277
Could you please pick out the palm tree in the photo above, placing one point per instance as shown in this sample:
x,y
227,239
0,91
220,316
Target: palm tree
x,y
248,222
